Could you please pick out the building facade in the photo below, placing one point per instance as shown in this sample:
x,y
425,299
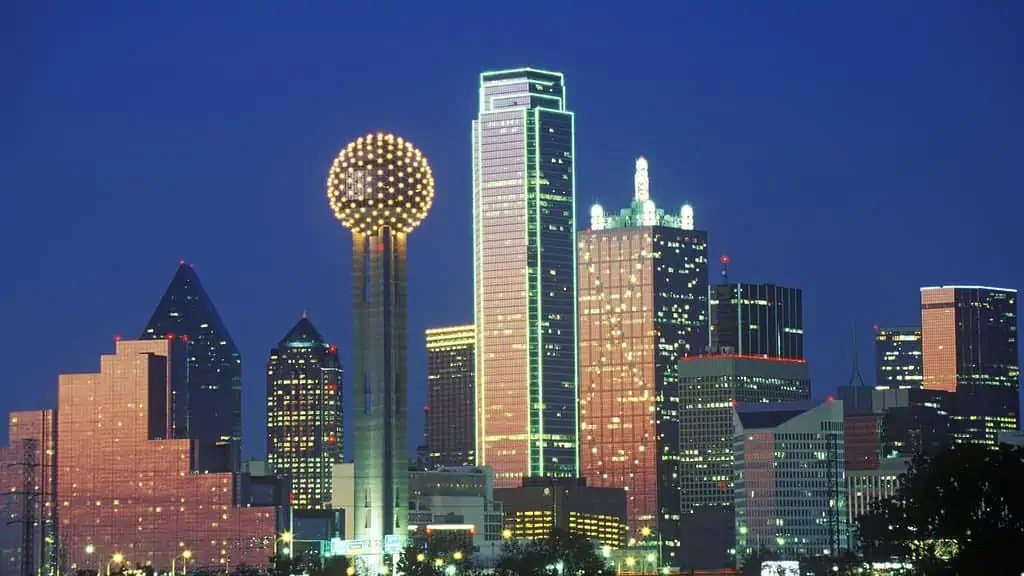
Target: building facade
x,y
709,387
28,534
451,425
305,432
898,357
969,342
642,305
542,504
524,220
869,485
790,485
459,499
125,487
911,421
756,320
207,404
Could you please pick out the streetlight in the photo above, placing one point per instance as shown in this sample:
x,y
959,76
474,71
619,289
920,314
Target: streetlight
x,y
457,555
117,558
185,556
438,562
89,550
506,534
421,557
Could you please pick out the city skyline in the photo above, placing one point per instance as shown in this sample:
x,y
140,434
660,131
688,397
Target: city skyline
x,y
111,298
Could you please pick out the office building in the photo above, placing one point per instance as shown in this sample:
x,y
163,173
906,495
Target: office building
x,y
542,504
451,426
898,356
969,343
642,305
709,387
125,490
380,187
456,499
869,485
304,414
28,533
862,440
206,403
790,486
908,421
524,220
343,495
756,320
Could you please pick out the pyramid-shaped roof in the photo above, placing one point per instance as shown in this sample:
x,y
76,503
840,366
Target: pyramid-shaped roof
x,y
303,334
186,310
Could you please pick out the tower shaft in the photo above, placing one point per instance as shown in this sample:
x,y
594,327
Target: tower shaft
x,y
379,378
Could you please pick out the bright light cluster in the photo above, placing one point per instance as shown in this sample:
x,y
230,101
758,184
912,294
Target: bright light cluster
x,y
380,180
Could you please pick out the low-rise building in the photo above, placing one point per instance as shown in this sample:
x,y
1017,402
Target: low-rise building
x,y
542,504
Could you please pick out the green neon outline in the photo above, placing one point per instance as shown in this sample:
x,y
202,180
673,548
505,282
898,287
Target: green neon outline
x,y
575,300
540,291
479,390
529,356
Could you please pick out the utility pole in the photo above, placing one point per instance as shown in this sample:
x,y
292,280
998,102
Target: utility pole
x,y
29,499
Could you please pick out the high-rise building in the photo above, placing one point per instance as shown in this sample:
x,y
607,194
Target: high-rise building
x,y
642,304
126,491
524,220
542,504
898,356
451,426
207,405
895,422
709,387
969,346
304,414
756,320
28,534
790,491
380,187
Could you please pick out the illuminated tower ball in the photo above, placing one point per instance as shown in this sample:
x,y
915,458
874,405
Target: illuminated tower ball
x,y
380,187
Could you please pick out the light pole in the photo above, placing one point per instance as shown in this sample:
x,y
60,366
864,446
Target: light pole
x,y
185,556
117,558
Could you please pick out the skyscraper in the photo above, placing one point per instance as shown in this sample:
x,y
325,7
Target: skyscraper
x,y
304,414
898,356
126,491
969,346
451,433
756,320
642,303
207,406
380,187
524,220
709,387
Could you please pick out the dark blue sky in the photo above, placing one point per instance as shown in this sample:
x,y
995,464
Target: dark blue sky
x,y
858,150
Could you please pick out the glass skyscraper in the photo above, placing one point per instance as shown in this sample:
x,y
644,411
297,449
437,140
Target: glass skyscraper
x,y
642,302
451,426
756,320
898,356
206,405
969,343
304,414
524,243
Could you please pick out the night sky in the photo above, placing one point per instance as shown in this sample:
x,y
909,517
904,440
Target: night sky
x,y
858,151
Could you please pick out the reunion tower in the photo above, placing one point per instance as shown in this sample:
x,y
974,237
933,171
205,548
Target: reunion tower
x,y
380,187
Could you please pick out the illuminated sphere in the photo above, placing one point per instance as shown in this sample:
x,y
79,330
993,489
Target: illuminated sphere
x,y
380,180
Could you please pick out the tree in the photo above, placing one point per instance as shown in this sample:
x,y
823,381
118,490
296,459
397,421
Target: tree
x,y
960,512
561,553
752,563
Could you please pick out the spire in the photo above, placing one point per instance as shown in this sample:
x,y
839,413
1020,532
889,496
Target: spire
x,y
641,182
856,377
186,310
303,334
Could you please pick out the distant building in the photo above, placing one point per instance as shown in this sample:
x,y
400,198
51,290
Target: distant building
x,y
451,426
898,357
709,387
459,499
28,533
790,487
123,486
969,341
540,505
642,304
343,495
756,320
304,414
1012,438
205,405
867,486
862,440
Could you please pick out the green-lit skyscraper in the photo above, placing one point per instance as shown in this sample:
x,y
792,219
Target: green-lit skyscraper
x,y
524,219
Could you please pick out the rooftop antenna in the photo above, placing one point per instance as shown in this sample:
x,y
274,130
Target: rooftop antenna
x,y
725,268
856,362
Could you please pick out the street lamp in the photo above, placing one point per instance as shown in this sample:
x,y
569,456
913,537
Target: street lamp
x,y
457,555
421,557
89,550
185,556
117,558
286,538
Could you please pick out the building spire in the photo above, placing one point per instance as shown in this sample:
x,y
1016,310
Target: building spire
x,y
855,376
641,182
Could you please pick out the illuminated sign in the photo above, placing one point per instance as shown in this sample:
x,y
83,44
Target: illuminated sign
x,y
780,568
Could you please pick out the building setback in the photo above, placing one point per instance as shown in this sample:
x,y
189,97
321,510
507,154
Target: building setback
x,y
969,343
451,426
524,220
709,387
304,414
756,320
790,486
206,403
642,301
898,357
124,487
